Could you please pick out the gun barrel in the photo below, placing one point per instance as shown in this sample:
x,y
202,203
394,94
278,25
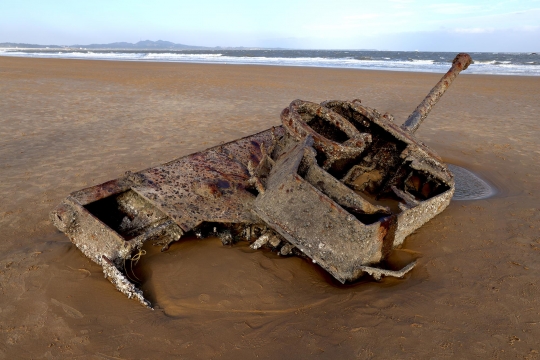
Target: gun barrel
x,y
461,62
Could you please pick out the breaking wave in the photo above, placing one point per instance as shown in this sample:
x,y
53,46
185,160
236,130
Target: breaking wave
x,y
484,63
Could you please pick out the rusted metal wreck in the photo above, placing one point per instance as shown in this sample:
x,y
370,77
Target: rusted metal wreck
x,y
338,183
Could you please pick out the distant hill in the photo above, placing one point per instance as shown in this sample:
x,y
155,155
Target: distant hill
x,y
31,46
141,45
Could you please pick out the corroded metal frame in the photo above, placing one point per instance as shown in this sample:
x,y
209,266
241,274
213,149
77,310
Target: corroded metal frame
x,y
313,187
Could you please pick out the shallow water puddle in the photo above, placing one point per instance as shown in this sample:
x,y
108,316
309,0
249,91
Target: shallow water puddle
x,y
468,185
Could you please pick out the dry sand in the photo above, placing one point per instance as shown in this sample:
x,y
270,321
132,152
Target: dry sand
x,y
69,124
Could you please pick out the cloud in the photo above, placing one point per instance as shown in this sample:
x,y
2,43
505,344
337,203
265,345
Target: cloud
x,y
368,23
453,8
529,28
362,16
473,30
453,39
458,39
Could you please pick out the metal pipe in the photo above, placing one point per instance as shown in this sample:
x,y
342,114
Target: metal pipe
x,y
461,62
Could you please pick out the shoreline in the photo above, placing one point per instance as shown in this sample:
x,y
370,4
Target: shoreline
x,y
388,69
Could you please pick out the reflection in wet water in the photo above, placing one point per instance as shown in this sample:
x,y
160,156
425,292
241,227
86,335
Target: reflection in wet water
x,y
468,185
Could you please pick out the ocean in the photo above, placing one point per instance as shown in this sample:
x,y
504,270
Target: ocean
x,y
527,64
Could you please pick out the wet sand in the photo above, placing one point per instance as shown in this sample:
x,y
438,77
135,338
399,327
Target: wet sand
x,y
69,124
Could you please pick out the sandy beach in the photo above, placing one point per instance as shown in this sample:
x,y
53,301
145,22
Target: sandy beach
x,y
70,124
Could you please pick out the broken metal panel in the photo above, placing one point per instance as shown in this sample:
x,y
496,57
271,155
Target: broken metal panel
x,y
94,193
378,273
392,148
416,170
120,281
332,135
98,243
413,218
326,232
111,221
335,189
93,237
210,186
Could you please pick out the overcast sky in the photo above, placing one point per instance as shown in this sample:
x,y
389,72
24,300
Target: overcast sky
x,y
473,25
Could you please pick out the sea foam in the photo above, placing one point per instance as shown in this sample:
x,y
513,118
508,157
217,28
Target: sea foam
x,y
485,63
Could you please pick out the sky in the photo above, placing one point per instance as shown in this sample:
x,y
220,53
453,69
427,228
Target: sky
x,y
473,25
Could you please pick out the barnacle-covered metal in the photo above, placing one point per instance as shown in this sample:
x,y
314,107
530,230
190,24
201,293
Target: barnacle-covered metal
x,y
338,183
